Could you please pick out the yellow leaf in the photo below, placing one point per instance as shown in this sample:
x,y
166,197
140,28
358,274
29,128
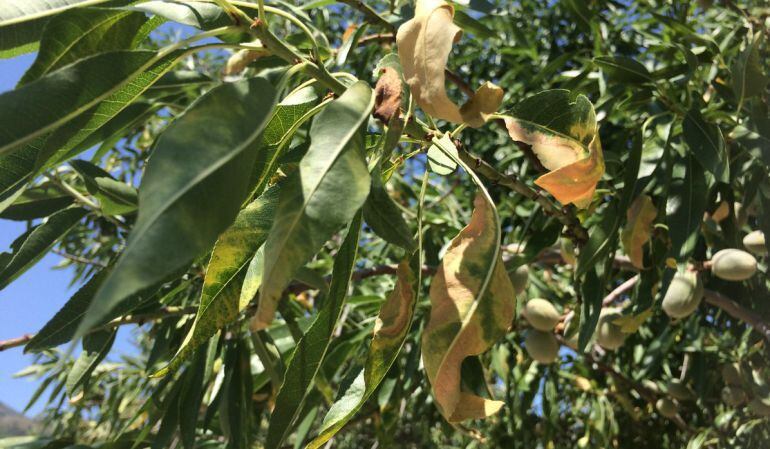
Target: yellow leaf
x,y
563,133
631,323
424,44
638,229
472,305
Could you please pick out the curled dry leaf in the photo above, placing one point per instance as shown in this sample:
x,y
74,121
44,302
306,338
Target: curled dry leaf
x,y
387,95
638,229
563,133
472,305
424,44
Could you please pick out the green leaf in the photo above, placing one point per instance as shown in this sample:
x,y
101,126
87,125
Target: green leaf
x,y
235,414
96,345
390,331
67,93
37,202
623,69
685,206
64,325
79,33
115,197
384,217
37,243
331,184
190,399
22,22
16,168
748,80
67,141
202,15
312,347
706,144
221,299
192,190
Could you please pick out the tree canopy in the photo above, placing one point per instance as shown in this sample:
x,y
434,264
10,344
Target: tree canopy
x,y
480,223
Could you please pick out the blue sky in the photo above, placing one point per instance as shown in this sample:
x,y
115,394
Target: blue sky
x,y
33,298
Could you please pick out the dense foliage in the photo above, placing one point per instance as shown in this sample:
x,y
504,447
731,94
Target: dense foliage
x,y
385,224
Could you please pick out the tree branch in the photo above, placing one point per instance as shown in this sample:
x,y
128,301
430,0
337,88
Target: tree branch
x,y
162,313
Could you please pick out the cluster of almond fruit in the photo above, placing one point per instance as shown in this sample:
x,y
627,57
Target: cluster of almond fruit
x,y
686,290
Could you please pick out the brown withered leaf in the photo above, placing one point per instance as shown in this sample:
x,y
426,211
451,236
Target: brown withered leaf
x,y
424,44
387,95
638,230
472,306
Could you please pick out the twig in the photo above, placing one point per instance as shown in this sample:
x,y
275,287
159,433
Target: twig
x,y
79,259
370,14
486,170
619,290
737,311
161,313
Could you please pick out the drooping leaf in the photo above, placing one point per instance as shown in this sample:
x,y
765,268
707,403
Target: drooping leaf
x,y
623,69
22,22
424,44
68,140
472,305
384,217
115,197
390,331
67,93
38,241
684,210
96,345
563,132
312,347
193,188
64,325
706,143
221,299
748,79
79,33
37,202
638,230
191,397
331,184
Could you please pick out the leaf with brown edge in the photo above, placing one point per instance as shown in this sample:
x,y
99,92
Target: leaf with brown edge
x,y
638,230
387,95
472,305
424,44
390,331
563,133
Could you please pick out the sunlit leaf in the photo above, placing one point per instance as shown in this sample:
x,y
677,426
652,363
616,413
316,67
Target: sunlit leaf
x,y
638,230
563,133
424,44
472,305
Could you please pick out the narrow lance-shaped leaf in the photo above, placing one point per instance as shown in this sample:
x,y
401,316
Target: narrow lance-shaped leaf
x,y
67,93
424,44
95,348
685,205
472,305
311,348
38,241
115,197
37,202
390,331
638,230
706,143
79,33
192,190
331,184
22,21
564,135
623,69
221,299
